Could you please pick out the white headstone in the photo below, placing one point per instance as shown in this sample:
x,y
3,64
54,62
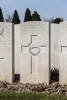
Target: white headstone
x,y
6,52
32,52
63,53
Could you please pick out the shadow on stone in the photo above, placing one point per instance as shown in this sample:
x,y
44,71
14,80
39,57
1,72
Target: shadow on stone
x,y
54,75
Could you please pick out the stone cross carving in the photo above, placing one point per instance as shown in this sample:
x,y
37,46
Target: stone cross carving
x,y
63,46
33,50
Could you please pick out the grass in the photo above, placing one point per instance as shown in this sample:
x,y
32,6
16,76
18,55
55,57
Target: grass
x,y
29,96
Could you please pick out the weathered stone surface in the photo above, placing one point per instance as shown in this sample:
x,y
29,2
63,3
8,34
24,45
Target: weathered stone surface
x,y
25,48
6,52
32,52
63,53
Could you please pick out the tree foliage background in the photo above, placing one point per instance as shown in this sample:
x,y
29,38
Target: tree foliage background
x,y
27,16
15,19
57,20
1,16
36,16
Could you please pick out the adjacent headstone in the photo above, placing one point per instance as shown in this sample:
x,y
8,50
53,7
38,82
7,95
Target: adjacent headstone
x,y
63,53
32,52
6,50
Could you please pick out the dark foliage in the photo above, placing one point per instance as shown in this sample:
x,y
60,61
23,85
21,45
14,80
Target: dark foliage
x,y
54,75
36,16
16,19
57,20
27,15
1,16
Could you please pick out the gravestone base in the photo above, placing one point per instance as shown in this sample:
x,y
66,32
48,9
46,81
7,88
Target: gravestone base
x,y
34,79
